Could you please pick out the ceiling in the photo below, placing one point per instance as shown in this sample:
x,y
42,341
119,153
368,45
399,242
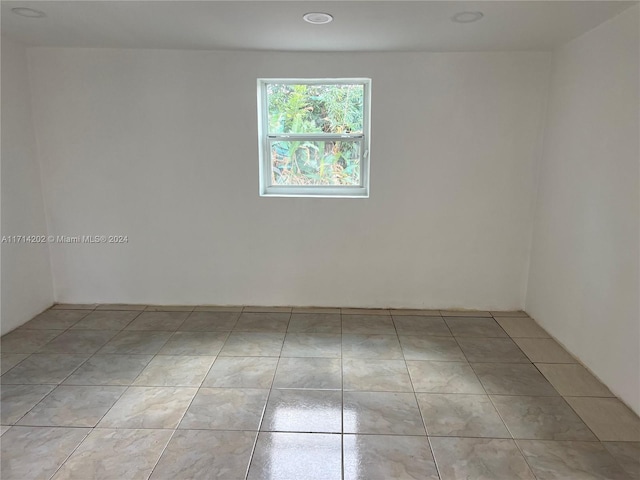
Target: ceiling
x,y
269,25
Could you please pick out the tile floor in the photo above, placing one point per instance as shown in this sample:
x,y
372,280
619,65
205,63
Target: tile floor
x,y
131,392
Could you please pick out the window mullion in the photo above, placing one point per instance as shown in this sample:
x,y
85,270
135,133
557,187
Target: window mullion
x,y
321,137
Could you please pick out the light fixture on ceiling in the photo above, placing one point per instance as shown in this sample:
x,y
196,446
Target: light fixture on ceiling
x,y
28,12
317,18
467,17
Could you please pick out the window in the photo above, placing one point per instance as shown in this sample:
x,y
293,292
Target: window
x,y
314,137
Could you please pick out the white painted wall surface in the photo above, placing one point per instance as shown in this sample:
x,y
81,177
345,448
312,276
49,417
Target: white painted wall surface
x,y
162,146
27,287
583,285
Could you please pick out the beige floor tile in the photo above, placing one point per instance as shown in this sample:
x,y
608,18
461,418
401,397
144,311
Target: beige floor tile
x,y
386,457
194,343
120,306
262,322
158,321
315,323
412,311
573,380
377,324
544,350
37,452
260,309
175,371
17,400
206,321
312,345
108,454
627,454
73,406
513,379
371,375
10,360
609,418
55,320
295,456
129,342
456,415
43,368
491,350
474,327
364,311
251,344
206,454
371,346
544,418
314,373
479,459
384,413
106,320
522,327
226,409
318,310
218,308
109,370
78,341
509,313
27,341
464,313
443,377
571,460
426,347
169,308
421,325
241,372
74,306
306,411
149,407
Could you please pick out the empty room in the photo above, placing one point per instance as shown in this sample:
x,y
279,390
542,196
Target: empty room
x,y
320,240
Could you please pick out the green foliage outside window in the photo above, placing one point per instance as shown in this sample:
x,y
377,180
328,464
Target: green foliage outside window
x,y
315,109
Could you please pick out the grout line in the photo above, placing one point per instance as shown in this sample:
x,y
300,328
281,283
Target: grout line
x,y
342,432
500,416
266,403
71,453
163,450
253,449
415,395
175,429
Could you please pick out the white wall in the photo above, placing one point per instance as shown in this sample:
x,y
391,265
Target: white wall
x,y
162,146
583,284
26,269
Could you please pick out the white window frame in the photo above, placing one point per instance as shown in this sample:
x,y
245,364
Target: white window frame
x,y
264,140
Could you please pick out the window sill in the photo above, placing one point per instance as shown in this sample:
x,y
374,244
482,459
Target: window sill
x,y
316,192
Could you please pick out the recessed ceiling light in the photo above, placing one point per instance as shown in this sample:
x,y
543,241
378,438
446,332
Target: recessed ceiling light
x,y
467,17
28,12
317,18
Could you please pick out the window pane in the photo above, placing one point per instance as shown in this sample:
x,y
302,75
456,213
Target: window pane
x,y
335,109
315,163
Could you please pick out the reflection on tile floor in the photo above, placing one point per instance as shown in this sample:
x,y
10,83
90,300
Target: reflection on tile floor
x,y
119,392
